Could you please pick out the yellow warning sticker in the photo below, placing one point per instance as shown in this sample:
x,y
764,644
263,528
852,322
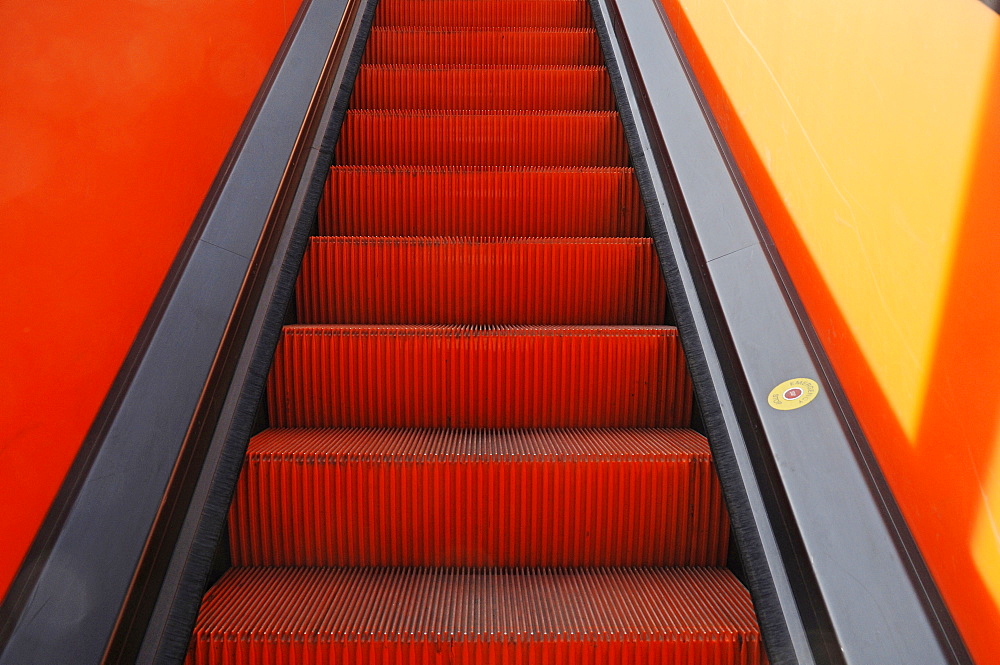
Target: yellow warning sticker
x,y
793,394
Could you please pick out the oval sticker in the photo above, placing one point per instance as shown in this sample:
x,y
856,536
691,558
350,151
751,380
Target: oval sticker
x,y
793,394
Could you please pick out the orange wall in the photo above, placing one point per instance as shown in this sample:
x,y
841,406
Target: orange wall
x,y
868,135
114,118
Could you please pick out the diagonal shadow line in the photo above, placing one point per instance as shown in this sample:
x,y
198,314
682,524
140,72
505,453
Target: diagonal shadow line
x,y
956,440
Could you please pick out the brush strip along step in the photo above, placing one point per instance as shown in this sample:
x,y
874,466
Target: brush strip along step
x,y
482,138
484,13
600,497
483,88
555,281
483,46
694,616
471,377
484,201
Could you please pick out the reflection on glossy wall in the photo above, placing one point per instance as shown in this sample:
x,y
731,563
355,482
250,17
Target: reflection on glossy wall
x,y
114,118
868,135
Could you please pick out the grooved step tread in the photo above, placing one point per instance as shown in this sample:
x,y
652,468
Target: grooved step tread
x,y
484,13
477,452
695,616
483,46
482,88
556,281
471,377
481,201
482,138
505,498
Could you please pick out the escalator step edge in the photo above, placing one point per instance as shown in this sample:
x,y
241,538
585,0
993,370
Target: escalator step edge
x,y
695,616
510,498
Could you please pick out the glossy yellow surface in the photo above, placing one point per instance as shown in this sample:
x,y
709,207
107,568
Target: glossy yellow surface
x,y
865,115
867,133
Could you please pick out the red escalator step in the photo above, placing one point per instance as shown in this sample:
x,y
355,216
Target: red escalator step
x,y
482,138
483,46
255,616
484,13
555,281
600,497
471,377
442,201
483,88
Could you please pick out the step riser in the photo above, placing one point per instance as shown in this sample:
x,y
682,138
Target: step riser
x,y
484,13
357,376
583,89
511,47
414,138
445,281
433,512
500,203
610,616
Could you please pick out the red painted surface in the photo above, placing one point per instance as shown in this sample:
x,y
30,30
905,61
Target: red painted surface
x,y
114,120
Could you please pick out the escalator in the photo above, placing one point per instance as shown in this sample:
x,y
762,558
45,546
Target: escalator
x,y
413,390
479,444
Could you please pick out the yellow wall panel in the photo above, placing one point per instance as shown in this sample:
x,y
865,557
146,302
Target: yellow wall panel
x,y
864,114
868,134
